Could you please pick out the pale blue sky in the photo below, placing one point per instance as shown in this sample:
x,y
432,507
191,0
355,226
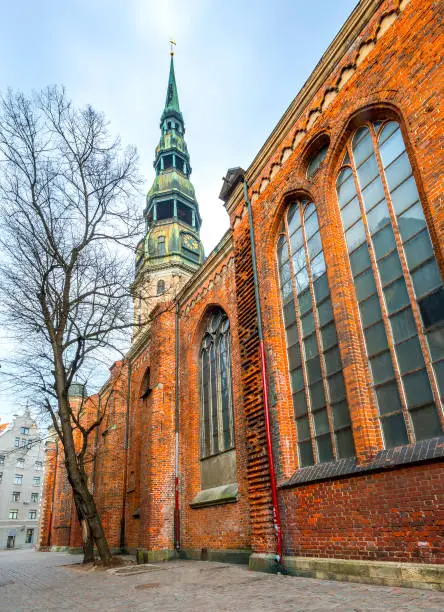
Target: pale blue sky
x,y
238,65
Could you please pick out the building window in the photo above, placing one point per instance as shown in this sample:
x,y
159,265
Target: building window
x,y
34,497
24,430
397,282
161,245
38,465
18,478
2,460
36,481
17,442
13,514
23,442
185,213
160,287
29,536
320,406
165,210
1,476
16,496
217,432
20,463
32,515
316,161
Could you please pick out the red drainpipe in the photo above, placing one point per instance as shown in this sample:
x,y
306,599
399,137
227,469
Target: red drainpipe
x,y
274,496
176,466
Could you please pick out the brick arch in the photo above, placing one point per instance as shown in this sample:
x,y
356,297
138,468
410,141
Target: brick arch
x,y
197,334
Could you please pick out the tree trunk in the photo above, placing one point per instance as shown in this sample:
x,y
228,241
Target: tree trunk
x,y
87,541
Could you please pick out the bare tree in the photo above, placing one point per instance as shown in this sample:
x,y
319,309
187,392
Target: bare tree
x,y
67,214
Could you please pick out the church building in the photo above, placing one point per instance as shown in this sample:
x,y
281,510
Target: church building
x,y
283,406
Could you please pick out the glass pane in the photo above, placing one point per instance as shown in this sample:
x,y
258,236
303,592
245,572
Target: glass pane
x,y
297,240
308,209
388,398
317,395
411,222
300,403
396,295
289,313
303,428
214,400
439,372
363,148
426,423
351,213
317,266
282,250
390,268
321,288
404,195
304,301
387,131
336,387
297,380
325,312
344,443
321,422
314,245
384,242
329,336
382,368
360,259
307,324
378,217
341,415
409,355
311,346
325,451
376,339
418,249
346,191
306,454
394,429
292,335
311,226
373,193
365,285
432,308
417,388
368,171
293,218
332,360
426,278
287,292
403,325
436,343
392,148
294,356
370,311
313,370
398,171
355,236
285,272
301,280
298,260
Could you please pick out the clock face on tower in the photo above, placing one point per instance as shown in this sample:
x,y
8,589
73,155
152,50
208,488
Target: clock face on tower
x,y
190,242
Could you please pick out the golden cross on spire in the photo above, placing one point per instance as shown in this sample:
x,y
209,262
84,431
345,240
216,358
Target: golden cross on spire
x,y
172,42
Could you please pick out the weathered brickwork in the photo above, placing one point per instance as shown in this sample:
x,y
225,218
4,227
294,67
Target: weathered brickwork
x,y
384,64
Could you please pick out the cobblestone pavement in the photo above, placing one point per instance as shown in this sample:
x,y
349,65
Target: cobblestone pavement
x,y
45,581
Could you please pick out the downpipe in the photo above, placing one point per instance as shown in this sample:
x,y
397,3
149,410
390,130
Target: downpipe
x,y
274,495
176,466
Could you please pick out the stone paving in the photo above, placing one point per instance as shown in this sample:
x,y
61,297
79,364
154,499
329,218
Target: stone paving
x,y
45,581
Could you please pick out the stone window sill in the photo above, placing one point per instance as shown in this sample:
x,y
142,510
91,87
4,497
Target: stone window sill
x,y
225,494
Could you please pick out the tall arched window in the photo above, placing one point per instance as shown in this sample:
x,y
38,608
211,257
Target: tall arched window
x,y
397,281
217,433
320,406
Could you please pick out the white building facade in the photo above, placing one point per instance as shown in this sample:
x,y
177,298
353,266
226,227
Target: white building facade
x,y
21,481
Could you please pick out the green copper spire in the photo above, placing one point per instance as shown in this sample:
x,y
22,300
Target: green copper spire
x,y
172,108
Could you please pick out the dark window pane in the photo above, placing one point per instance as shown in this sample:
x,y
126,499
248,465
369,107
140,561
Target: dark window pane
x,y
214,398
404,195
355,236
384,242
314,245
325,451
329,336
417,388
378,217
325,312
426,278
298,260
350,213
363,149
304,301
360,259
321,422
317,395
396,295
303,428
287,292
403,325
318,266
293,218
392,148
344,443
306,453
297,240
321,288
300,403
395,432
411,222
409,355
292,335
316,161
426,422
376,339
365,285
436,343
398,171
418,249
311,346
341,415
439,371
336,387
373,193
289,313
368,171
297,380
294,356
370,310
307,323
332,360
388,398
285,272
382,368
390,268
313,369
432,308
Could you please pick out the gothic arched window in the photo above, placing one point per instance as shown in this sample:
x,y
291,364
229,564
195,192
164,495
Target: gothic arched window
x,y
320,406
217,432
397,282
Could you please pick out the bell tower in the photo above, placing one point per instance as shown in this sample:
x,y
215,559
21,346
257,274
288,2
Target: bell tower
x,y
171,250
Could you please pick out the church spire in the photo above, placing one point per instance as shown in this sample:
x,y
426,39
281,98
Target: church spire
x,y
172,108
